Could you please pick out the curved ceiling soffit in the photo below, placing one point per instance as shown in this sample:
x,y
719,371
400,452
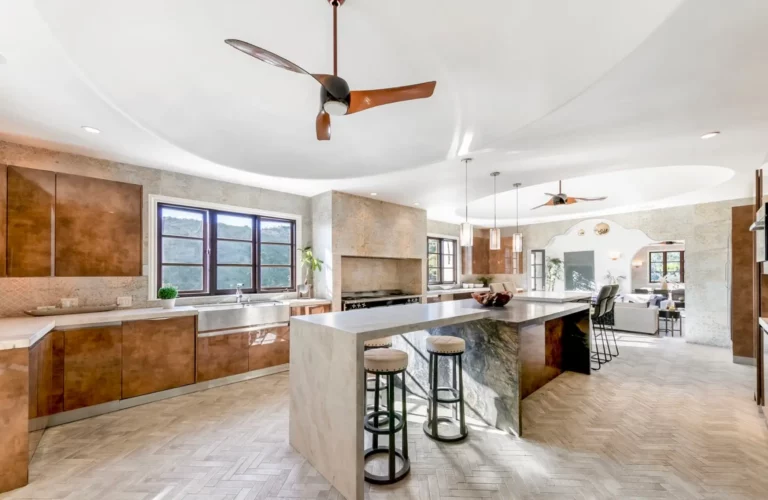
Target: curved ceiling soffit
x,y
588,225
460,140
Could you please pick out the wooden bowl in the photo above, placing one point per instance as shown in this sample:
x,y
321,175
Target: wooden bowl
x,y
498,299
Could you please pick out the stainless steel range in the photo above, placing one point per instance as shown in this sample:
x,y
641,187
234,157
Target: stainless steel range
x,y
376,298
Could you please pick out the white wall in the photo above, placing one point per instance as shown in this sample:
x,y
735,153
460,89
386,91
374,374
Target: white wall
x,y
619,239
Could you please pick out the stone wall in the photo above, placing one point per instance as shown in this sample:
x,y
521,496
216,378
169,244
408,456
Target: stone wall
x,y
19,294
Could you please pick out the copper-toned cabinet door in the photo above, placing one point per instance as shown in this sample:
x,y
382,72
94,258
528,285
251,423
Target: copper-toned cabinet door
x,y
3,218
222,356
269,347
50,374
158,355
92,366
98,227
14,418
30,203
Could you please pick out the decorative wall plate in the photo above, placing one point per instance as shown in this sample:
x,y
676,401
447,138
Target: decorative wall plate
x,y
581,232
602,228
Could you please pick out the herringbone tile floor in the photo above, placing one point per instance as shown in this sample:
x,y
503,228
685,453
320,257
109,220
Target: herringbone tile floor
x,y
664,420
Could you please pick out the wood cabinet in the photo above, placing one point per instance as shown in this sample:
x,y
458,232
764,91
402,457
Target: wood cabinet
x,y
157,355
29,232
98,227
269,347
304,310
505,260
92,358
14,420
46,376
3,218
222,356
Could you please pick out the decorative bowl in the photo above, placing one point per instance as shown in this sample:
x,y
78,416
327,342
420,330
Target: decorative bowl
x,y
478,285
498,299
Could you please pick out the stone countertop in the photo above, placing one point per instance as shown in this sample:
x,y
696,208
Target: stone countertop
x,y
21,332
452,291
554,297
25,331
395,320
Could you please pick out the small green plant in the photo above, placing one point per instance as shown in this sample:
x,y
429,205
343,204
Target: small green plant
x,y
485,280
167,292
310,263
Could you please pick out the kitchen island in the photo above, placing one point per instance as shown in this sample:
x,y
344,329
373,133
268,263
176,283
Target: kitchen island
x,y
510,353
553,297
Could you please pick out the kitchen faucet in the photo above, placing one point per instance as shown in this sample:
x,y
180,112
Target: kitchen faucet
x,y
239,293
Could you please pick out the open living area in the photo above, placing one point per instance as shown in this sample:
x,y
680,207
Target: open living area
x,y
527,263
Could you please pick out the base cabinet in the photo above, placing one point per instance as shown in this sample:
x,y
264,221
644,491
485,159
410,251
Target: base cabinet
x,y
269,347
92,358
46,376
158,354
222,356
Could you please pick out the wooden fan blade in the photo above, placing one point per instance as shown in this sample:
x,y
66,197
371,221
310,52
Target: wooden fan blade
x,y
323,126
588,199
549,203
266,56
360,100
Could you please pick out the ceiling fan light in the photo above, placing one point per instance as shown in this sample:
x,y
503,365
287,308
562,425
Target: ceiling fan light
x,y
466,234
495,236
335,108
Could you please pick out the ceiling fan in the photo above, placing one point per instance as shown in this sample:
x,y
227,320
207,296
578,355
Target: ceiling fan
x,y
335,97
563,199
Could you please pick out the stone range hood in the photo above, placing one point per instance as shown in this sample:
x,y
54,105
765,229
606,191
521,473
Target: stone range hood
x,y
364,241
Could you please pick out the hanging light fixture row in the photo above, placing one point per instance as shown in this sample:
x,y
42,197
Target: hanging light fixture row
x,y
465,230
495,233
517,238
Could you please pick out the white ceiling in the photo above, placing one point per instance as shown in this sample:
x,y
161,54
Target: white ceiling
x,y
537,90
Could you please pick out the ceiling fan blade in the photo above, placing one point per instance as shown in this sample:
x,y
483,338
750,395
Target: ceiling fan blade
x,y
360,100
266,56
589,199
549,203
323,126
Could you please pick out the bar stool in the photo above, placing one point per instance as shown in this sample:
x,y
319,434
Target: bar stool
x,y
382,343
598,328
609,320
387,363
439,346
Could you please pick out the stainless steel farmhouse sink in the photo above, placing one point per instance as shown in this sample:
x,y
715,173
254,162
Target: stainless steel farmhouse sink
x,y
218,317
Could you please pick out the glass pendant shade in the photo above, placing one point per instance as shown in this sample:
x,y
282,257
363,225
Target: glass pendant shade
x,y
466,234
495,238
517,243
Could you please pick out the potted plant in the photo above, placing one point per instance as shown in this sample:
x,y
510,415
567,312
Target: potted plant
x,y
167,295
485,280
310,263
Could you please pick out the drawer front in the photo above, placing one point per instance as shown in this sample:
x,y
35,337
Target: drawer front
x,y
222,356
269,347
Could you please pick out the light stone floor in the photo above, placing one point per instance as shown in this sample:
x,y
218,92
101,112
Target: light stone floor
x,y
665,420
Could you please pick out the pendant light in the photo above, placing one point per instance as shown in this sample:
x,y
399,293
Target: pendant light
x,y
465,231
495,232
517,238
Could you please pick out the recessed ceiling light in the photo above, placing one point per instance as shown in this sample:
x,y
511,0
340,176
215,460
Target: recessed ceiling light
x,y
417,203
710,135
91,130
374,194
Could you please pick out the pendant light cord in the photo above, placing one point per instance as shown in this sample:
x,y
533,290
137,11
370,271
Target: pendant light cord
x,y
517,208
494,201
466,190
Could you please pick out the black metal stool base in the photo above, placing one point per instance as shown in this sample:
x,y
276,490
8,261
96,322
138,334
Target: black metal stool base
x,y
427,428
399,475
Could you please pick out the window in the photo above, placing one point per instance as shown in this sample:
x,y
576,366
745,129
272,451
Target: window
x,y
537,270
669,264
441,261
210,252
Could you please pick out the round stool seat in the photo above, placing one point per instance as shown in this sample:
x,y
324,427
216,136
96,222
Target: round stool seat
x,y
440,344
385,360
382,342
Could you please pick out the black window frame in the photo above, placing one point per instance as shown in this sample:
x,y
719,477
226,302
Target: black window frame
x,y
210,240
535,276
440,258
664,264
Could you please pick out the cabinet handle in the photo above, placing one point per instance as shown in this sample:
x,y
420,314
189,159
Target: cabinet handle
x,y
92,325
159,319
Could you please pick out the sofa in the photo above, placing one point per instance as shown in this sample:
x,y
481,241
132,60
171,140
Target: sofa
x,y
636,317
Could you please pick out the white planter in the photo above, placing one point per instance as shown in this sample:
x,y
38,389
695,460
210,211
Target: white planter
x,y
168,303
